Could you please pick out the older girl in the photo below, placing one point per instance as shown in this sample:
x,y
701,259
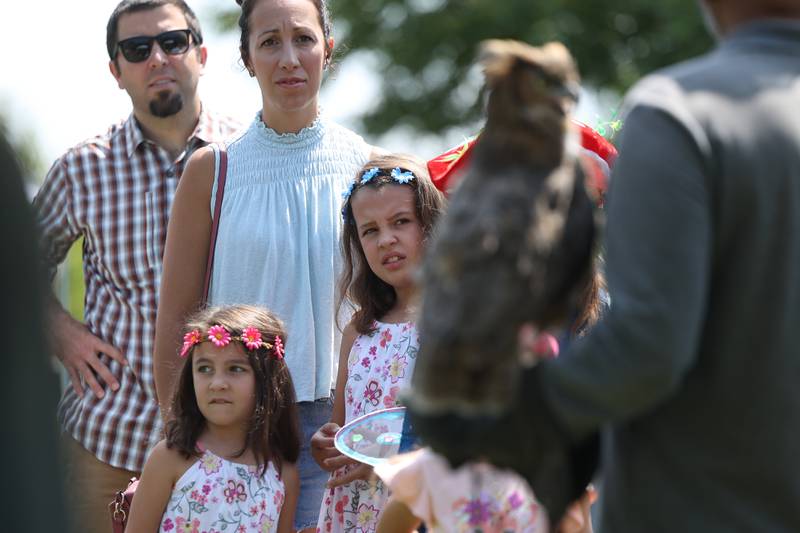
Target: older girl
x,y
389,211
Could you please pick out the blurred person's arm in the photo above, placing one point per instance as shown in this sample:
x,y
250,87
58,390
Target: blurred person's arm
x,y
578,518
30,392
396,517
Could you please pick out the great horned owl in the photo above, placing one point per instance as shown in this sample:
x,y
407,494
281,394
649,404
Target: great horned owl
x,y
516,244
514,248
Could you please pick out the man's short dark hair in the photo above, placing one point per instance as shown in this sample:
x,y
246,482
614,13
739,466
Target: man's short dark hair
x,y
134,6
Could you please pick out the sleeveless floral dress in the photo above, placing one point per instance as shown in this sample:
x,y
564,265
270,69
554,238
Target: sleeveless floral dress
x,y
216,495
378,368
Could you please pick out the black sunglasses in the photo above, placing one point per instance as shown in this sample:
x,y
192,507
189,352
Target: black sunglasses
x,y
173,42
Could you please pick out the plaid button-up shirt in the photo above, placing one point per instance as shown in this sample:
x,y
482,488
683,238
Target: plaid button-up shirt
x,y
116,191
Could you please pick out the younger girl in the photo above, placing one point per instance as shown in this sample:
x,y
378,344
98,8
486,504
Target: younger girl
x,y
227,463
389,211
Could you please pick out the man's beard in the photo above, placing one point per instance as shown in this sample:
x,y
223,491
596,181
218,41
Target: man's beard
x,y
166,104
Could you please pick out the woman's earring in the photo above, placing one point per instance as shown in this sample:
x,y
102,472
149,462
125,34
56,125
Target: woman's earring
x,y
251,72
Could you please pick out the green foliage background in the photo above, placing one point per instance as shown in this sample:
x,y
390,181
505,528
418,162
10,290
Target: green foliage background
x,y
424,49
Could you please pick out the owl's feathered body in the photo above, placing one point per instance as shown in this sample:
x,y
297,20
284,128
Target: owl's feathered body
x,y
515,247
516,244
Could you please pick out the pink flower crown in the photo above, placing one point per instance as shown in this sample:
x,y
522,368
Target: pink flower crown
x,y
221,337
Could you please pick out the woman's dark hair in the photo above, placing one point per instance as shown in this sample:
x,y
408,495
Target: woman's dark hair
x,y
358,285
244,26
134,6
273,433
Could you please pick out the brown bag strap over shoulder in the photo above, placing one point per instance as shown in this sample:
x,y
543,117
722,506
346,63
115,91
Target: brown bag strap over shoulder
x,y
220,173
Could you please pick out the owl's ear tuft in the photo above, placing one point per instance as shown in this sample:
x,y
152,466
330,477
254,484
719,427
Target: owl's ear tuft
x,y
497,58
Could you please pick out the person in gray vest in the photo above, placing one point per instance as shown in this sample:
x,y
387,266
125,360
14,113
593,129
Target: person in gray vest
x,y
692,376
31,390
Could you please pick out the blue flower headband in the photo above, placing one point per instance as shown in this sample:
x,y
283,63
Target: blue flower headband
x,y
399,175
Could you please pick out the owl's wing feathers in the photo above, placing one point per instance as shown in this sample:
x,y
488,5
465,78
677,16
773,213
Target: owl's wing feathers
x,y
487,273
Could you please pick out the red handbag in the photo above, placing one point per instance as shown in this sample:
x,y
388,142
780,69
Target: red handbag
x,y
120,508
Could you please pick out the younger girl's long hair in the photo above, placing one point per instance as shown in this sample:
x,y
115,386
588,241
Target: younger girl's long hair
x,y
273,433
369,295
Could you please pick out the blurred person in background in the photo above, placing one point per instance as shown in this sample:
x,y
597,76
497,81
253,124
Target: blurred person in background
x,y
31,391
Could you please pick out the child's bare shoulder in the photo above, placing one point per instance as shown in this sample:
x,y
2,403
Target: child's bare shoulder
x,y
349,335
169,460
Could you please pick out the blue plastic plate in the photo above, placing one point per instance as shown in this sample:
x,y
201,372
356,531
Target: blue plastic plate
x,y
372,438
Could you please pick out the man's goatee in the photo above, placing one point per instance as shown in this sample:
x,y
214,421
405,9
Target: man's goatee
x,y
166,104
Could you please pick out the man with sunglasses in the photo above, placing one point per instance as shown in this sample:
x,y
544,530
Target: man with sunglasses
x,y
115,190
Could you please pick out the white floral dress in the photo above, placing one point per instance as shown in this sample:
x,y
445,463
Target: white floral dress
x,y
378,367
216,495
